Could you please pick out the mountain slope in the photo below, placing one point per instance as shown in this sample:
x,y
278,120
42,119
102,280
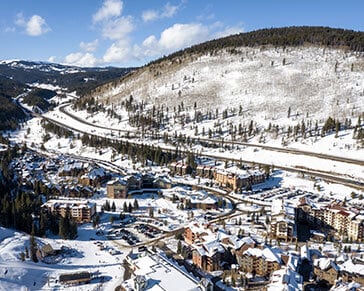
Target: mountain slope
x,y
73,78
17,77
266,75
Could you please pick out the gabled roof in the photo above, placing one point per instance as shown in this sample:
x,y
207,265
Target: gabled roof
x,y
268,254
210,248
325,264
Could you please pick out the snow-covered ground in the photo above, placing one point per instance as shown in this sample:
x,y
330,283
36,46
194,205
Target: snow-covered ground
x,y
82,255
246,153
315,82
87,256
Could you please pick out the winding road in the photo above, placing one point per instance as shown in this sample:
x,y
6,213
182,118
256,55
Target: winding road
x,y
305,171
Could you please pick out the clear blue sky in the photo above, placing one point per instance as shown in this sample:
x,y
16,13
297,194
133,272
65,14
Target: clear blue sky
x,y
133,32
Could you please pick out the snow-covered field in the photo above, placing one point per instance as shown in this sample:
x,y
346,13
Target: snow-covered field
x,y
82,255
314,81
17,275
249,153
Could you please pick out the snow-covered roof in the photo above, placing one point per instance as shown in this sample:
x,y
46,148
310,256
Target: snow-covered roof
x,y
68,203
325,263
305,253
269,254
285,279
210,248
236,242
162,275
116,181
96,172
350,267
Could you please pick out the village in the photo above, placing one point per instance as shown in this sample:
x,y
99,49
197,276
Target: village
x,y
214,225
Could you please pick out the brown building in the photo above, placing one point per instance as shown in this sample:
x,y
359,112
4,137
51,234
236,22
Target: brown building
x,y
94,177
116,189
205,171
282,229
180,168
236,178
352,270
237,246
346,222
208,256
262,262
79,210
194,234
326,270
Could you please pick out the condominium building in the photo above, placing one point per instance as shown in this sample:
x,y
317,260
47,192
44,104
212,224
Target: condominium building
x,y
345,221
79,210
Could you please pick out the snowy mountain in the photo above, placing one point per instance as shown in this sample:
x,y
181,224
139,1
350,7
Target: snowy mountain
x,y
17,77
311,80
70,77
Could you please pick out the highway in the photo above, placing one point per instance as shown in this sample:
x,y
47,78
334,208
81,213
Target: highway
x,y
138,134
327,176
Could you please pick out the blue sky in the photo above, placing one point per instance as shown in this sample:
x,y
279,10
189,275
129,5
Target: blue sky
x,y
133,32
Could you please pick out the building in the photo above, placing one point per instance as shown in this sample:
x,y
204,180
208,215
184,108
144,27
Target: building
x,y
285,279
346,222
232,177
352,271
79,210
116,189
162,182
205,171
180,168
326,270
261,261
355,229
73,169
237,246
194,233
94,177
282,225
207,256
155,272
75,278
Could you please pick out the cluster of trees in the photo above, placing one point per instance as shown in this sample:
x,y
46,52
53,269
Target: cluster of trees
x,y
359,129
56,129
10,113
39,98
83,81
130,208
67,227
282,37
21,206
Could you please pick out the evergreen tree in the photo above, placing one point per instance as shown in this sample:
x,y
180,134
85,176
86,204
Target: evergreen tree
x,y
64,227
72,230
113,207
33,246
136,205
42,224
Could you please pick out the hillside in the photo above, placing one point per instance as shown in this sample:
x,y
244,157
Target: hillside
x,y
301,74
17,77
81,80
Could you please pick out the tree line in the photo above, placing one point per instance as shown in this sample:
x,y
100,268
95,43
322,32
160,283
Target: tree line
x,y
279,37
